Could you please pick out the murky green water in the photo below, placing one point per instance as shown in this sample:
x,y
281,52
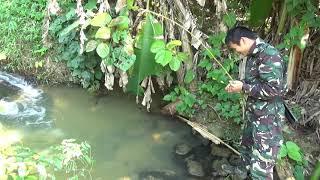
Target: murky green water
x,y
125,140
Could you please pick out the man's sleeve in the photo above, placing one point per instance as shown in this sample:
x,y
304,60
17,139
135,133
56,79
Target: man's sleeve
x,y
271,79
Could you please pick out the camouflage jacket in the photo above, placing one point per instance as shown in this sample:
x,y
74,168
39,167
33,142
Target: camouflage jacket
x,y
265,78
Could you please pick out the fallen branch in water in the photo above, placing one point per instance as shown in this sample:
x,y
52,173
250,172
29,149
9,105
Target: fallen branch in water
x,y
206,134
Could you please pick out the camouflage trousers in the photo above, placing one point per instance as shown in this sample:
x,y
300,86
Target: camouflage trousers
x,y
262,138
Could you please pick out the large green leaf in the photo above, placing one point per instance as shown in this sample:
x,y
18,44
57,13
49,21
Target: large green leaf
x,y
259,11
145,63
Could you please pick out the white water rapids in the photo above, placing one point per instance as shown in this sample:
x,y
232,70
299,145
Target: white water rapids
x,y
26,108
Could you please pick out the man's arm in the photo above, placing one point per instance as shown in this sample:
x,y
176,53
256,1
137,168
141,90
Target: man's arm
x,y
271,79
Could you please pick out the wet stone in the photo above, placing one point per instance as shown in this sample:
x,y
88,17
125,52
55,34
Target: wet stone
x,y
195,168
158,175
217,167
182,149
235,160
240,173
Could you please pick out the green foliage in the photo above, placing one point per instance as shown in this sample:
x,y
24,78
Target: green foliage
x,y
216,80
190,75
85,67
187,100
229,19
259,11
301,7
101,20
293,38
109,40
306,12
21,26
167,54
70,158
294,152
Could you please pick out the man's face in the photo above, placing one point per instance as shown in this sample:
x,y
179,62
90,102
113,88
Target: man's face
x,y
241,48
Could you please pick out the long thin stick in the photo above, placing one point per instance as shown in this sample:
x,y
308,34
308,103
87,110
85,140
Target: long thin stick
x,y
205,133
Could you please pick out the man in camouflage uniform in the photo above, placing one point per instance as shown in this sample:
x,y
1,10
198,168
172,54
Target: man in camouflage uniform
x,y
264,86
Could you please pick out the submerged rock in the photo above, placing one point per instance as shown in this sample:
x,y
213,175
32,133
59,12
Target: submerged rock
x,y
240,173
223,168
235,160
195,168
217,167
182,149
158,175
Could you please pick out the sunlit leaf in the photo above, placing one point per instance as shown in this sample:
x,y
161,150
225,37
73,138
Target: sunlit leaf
x,y
91,45
3,56
163,57
101,20
121,22
130,4
174,43
157,46
182,56
103,33
174,64
103,50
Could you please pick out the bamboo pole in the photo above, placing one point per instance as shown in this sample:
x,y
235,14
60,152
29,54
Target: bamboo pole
x,y
206,134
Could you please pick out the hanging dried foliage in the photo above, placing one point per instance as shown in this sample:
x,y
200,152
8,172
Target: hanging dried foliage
x,y
147,99
104,6
109,75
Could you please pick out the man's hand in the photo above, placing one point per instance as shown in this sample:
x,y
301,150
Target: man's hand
x,y
234,87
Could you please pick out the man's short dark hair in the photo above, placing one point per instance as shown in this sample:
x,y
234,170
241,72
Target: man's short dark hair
x,y
235,34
